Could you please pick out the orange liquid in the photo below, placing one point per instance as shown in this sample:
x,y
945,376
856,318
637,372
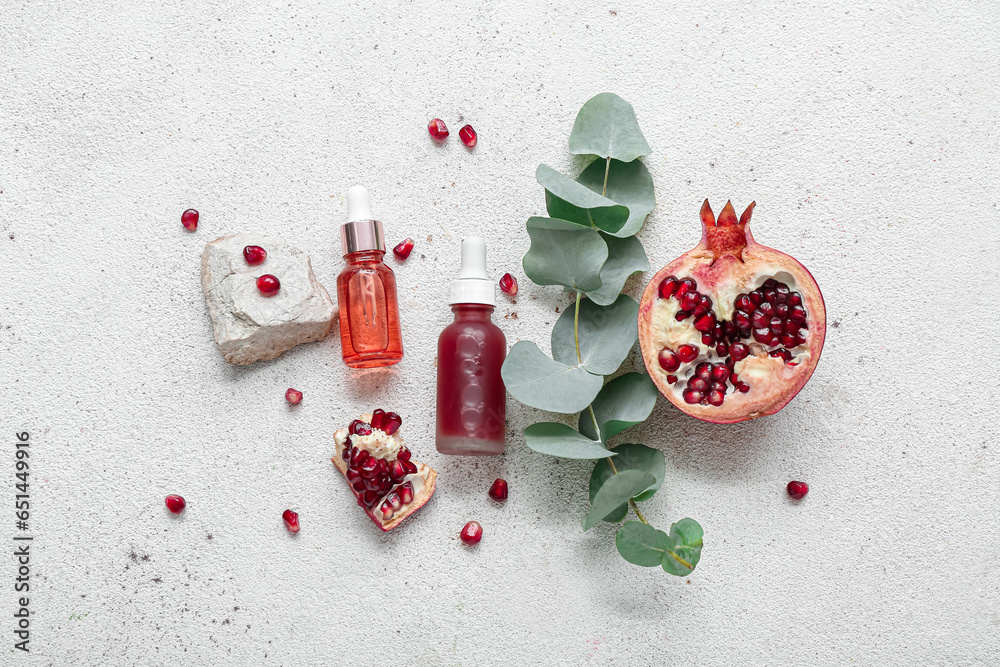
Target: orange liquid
x,y
370,336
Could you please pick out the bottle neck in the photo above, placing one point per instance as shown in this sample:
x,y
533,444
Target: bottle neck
x,y
362,256
472,311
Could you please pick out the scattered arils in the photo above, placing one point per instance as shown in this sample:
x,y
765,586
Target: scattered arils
x,y
291,520
403,250
189,219
254,255
174,503
509,284
468,136
471,533
498,491
268,284
293,396
798,490
437,129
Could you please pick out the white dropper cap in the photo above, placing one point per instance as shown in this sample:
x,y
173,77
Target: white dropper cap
x,y
361,231
358,205
473,285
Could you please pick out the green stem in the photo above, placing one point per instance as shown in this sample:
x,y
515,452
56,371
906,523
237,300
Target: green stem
x,y
576,327
576,334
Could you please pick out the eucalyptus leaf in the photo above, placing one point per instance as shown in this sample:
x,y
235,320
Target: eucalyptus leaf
x,y
685,550
615,491
631,457
535,380
606,126
641,544
625,257
624,402
568,200
607,334
560,440
564,253
629,184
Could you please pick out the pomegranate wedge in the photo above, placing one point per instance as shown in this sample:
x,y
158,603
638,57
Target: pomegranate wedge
x,y
374,459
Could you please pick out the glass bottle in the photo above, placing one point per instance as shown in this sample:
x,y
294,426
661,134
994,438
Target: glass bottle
x,y
370,335
471,397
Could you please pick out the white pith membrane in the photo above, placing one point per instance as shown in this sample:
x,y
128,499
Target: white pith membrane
x,y
758,370
387,510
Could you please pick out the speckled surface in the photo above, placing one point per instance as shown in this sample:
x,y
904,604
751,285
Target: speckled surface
x,y
866,133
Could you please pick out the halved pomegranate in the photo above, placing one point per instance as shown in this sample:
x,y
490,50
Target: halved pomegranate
x,y
731,330
376,463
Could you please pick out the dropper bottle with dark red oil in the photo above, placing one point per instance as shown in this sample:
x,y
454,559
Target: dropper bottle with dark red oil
x,y
471,397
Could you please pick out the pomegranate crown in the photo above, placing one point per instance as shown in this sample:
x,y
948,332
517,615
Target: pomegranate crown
x,y
726,235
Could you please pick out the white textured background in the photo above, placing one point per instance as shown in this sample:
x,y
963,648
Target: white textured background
x,y
866,132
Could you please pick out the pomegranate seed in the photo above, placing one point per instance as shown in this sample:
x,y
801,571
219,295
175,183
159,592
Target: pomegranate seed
x,y
705,323
410,467
508,284
468,136
755,298
720,373
700,310
291,520
667,287
741,321
293,396
175,504
268,285
682,315
692,396
362,428
387,511
687,353
498,491
690,300
671,379
405,493
703,370
472,533
716,397
708,339
668,360
743,387
391,423
394,500
781,292
378,414
438,129
254,255
722,349
189,219
403,250
794,299
798,490
403,454
743,303
698,384
397,471
684,286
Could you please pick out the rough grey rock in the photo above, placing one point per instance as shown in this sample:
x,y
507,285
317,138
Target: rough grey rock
x,y
252,327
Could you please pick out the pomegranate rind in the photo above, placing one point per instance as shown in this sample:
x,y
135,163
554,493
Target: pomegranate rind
x,y
425,474
728,263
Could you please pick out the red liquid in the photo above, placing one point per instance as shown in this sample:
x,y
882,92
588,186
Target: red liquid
x,y
471,397
369,311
